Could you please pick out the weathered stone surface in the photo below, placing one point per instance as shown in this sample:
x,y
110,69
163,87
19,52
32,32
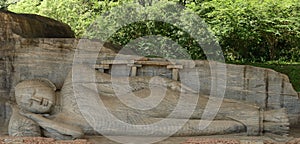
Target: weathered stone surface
x,y
264,87
52,58
22,126
31,26
13,28
38,58
25,59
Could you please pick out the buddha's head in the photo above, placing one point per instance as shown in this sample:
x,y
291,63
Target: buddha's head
x,y
37,95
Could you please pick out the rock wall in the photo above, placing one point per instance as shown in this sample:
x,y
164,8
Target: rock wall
x,y
53,58
25,54
31,26
28,58
13,29
265,87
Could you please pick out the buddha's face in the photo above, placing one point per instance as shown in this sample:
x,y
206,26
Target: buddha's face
x,y
35,96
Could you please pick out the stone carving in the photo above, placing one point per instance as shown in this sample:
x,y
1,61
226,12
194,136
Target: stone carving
x,y
29,50
22,126
36,97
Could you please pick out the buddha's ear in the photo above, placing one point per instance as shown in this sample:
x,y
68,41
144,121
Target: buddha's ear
x,y
48,82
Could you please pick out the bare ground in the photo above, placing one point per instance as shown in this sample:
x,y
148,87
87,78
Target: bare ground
x,y
231,139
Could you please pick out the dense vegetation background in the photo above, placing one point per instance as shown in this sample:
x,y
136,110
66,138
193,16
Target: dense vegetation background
x,y
258,32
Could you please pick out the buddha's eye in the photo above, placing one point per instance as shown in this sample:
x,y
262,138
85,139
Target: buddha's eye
x,y
26,96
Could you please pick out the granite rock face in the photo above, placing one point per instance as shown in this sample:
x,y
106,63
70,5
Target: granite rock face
x,y
31,26
14,28
26,58
264,87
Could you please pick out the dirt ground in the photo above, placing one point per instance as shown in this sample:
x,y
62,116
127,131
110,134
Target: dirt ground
x,y
293,138
172,140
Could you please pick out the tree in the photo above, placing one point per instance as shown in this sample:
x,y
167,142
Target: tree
x,y
251,30
142,33
79,14
5,3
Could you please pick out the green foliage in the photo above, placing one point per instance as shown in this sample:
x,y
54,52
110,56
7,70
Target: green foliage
x,y
26,6
254,30
164,20
5,3
79,14
247,30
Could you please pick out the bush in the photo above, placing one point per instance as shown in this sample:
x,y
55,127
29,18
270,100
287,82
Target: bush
x,y
150,36
254,30
79,14
247,30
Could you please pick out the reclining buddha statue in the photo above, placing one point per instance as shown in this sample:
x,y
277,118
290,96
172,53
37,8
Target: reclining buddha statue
x,y
35,113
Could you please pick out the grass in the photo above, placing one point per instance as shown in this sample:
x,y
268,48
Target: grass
x,y
292,70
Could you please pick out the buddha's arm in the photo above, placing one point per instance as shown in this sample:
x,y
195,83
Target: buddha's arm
x,y
48,124
178,127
